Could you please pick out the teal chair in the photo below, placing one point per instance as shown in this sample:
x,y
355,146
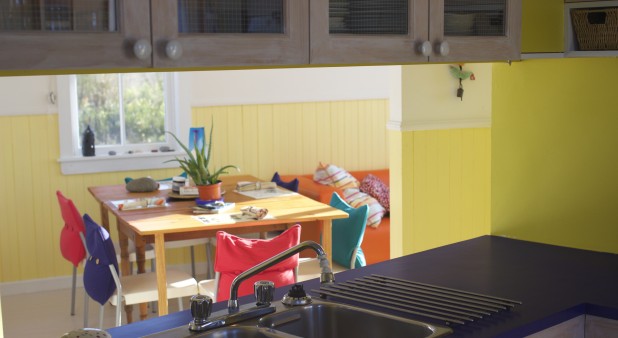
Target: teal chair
x,y
347,236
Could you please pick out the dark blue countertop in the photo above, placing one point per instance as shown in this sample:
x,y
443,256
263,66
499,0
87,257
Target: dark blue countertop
x,y
554,283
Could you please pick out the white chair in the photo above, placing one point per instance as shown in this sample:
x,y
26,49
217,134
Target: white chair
x,y
192,243
103,284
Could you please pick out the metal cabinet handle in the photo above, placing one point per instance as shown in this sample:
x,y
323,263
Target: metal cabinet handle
x,y
443,48
173,49
142,49
425,48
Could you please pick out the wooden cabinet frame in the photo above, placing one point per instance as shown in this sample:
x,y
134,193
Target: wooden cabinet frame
x,y
352,49
477,48
40,50
227,50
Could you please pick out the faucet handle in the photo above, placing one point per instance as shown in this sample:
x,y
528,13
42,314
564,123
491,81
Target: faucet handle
x,y
201,307
264,291
296,296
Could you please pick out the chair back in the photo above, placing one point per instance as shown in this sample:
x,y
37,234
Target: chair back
x,y
291,185
235,255
98,278
348,234
71,245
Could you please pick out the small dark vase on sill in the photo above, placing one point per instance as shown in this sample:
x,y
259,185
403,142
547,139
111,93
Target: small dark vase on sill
x,y
88,142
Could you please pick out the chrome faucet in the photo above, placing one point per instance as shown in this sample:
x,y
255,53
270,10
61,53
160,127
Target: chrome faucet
x,y
326,275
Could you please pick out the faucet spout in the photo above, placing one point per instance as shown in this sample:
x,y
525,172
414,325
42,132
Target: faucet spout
x,y
326,275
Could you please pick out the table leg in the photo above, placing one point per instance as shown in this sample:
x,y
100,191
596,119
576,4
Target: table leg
x,y
125,268
161,273
140,254
327,239
104,216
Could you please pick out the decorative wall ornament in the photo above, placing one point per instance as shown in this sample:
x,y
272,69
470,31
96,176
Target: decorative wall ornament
x,y
458,72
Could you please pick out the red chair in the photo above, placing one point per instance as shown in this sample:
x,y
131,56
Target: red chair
x,y
236,254
71,238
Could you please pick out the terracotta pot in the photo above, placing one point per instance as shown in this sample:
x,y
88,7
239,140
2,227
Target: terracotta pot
x,y
209,192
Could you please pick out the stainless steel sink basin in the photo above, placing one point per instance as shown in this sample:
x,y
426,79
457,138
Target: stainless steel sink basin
x,y
244,332
326,320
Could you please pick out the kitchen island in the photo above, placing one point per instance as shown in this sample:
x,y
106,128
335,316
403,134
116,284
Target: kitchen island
x,y
554,284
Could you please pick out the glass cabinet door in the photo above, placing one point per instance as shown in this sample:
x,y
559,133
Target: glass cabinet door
x,y
194,33
366,31
475,30
71,34
58,15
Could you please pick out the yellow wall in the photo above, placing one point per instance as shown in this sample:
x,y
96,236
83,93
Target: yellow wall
x,y
542,26
450,186
290,138
554,141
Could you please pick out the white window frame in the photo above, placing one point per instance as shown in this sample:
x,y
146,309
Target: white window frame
x,y
71,160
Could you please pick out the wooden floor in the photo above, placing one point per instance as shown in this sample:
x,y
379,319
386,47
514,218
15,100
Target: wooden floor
x,y
47,314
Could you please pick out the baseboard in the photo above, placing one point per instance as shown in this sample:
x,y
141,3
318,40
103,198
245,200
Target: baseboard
x,y
64,282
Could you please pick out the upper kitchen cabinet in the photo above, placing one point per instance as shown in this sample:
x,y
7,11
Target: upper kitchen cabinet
x,y
408,31
229,33
134,34
65,34
368,31
475,30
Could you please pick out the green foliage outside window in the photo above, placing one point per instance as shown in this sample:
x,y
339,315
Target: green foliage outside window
x,y
141,116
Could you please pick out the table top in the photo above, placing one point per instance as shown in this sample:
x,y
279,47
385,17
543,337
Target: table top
x,y
177,215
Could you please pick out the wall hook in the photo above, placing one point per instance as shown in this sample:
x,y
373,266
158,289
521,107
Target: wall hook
x,y
52,97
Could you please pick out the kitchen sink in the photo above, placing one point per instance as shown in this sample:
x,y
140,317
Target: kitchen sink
x,y
319,319
326,320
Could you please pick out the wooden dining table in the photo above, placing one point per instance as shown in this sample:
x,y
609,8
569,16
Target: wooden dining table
x,y
175,220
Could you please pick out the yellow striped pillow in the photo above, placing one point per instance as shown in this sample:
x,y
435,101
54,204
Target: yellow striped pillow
x,y
357,198
329,174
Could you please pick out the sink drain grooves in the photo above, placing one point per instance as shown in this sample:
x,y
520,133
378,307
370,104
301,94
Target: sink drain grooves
x,y
447,320
456,299
507,302
431,301
411,299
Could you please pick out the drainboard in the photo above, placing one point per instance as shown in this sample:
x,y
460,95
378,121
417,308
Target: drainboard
x,y
451,306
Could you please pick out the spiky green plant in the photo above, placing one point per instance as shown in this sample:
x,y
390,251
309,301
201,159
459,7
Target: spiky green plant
x,y
197,165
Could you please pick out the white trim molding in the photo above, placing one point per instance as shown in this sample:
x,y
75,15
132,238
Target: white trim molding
x,y
438,124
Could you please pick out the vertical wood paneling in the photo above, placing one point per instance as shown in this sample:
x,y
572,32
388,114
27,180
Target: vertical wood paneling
x,y
8,232
24,178
310,138
266,134
324,133
250,146
451,186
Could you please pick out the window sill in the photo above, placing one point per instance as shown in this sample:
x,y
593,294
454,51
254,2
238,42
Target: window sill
x,y
107,163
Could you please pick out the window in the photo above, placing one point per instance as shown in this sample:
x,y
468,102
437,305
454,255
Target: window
x,y
129,115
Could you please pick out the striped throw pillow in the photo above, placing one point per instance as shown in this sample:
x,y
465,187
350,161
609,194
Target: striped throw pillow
x,y
357,198
329,174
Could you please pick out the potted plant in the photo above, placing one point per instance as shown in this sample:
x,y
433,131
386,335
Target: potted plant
x,y
197,166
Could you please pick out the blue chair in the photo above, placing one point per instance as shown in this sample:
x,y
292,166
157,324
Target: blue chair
x,y
291,185
347,236
102,282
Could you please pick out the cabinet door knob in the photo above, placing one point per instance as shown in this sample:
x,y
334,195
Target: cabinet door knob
x,y
142,49
425,48
173,49
443,48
